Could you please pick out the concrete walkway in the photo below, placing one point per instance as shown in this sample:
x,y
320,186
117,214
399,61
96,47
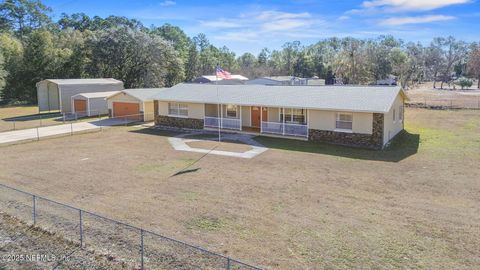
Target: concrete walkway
x,y
41,132
179,143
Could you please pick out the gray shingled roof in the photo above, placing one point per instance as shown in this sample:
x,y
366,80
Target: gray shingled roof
x,y
143,94
341,98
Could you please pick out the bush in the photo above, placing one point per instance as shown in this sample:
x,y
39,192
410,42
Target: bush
x,y
464,83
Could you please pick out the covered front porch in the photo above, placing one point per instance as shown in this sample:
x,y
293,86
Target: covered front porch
x,y
291,122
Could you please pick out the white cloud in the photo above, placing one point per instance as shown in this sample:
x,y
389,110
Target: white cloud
x,y
222,23
415,20
412,5
270,24
278,15
243,36
282,25
168,3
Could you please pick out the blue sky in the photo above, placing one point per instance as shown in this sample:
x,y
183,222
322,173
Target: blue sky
x,y
248,26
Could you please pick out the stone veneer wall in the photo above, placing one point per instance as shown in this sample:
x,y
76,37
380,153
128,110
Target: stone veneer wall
x,y
179,122
374,140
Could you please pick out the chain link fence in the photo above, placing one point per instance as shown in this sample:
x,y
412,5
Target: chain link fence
x,y
48,119
135,247
77,127
445,104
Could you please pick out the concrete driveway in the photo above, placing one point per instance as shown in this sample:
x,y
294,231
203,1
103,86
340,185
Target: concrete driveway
x,y
41,132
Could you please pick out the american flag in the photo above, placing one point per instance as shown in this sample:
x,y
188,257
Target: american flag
x,y
223,74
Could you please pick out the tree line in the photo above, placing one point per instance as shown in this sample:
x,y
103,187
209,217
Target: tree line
x,y
33,47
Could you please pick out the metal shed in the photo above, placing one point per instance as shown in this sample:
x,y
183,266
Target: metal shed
x,y
91,104
56,94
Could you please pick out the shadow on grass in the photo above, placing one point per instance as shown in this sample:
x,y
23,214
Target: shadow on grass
x,y
204,135
403,145
157,132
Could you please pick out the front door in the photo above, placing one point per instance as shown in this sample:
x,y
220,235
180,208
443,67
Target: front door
x,y
255,112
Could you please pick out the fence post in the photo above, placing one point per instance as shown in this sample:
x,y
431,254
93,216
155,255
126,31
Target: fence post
x,y
38,135
141,248
34,210
81,227
228,263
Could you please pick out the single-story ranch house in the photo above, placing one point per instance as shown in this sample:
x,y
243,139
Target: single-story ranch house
x,y
349,115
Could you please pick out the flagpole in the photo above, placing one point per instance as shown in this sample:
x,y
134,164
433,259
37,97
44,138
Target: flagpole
x,y
219,106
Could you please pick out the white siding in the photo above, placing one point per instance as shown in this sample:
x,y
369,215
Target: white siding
x,y
47,96
195,110
391,127
326,120
246,116
273,114
67,91
97,106
149,110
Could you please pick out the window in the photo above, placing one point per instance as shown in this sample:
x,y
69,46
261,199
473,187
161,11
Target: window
x,y
232,111
344,121
178,109
400,113
292,115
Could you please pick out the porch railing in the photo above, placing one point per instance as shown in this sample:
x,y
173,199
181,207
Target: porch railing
x,y
288,129
226,123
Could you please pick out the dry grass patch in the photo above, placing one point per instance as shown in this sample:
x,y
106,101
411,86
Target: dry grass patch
x,y
299,205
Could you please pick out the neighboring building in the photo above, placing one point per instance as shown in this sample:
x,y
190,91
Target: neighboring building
x,y
91,104
212,79
357,116
278,80
315,82
390,80
133,103
56,95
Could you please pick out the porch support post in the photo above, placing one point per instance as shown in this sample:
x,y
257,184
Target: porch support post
x,y
283,124
240,118
307,120
261,119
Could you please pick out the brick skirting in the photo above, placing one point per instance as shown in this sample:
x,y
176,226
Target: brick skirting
x,y
179,122
374,140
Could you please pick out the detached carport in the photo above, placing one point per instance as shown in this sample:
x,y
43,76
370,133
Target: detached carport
x,y
91,104
56,94
131,102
